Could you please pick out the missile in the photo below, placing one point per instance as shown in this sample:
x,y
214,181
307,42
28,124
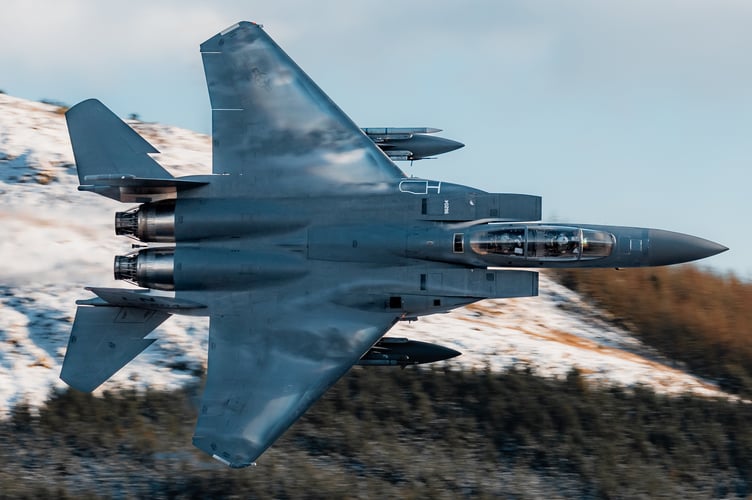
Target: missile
x,y
398,132
410,143
392,351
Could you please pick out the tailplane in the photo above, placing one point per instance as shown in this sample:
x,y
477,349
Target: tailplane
x,y
103,144
113,160
104,339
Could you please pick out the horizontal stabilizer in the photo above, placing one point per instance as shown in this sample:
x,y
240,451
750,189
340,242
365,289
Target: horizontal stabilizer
x,y
141,298
105,144
105,339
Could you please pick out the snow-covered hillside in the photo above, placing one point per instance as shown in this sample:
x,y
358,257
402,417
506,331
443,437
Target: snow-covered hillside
x,y
56,240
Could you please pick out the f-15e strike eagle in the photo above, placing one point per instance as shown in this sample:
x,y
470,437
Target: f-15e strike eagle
x,y
304,246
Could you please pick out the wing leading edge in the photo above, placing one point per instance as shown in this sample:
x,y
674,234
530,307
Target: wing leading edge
x,y
272,124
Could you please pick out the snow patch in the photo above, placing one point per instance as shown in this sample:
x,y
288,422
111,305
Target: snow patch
x,y
58,240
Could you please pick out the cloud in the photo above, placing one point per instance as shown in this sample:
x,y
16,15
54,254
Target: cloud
x,y
697,42
695,45
55,36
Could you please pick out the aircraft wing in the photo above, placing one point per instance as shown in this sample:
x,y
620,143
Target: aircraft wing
x,y
267,364
274,126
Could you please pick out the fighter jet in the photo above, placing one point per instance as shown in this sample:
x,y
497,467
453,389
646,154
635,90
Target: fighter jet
x,y
304,246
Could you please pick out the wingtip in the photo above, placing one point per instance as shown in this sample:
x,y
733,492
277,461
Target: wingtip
x,y
233,452
215,44
83,106
240,24
75,381
233,465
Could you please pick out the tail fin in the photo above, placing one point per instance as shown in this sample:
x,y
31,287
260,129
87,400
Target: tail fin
x,y
103,144
104,339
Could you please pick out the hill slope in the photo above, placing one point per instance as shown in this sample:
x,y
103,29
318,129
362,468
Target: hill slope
x,y
59,240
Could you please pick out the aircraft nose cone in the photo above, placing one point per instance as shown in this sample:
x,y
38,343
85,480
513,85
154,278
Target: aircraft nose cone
x,y
667,248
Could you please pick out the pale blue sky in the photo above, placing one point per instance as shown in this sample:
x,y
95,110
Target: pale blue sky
x,y
631,113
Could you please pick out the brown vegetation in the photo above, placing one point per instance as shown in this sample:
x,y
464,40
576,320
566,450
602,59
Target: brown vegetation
x,y
689,315
60,107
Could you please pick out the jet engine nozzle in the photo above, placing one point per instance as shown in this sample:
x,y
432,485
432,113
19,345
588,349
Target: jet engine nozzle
x,y
148,268
151,222
126,267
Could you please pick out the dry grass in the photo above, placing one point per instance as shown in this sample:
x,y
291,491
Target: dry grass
x,y
688,314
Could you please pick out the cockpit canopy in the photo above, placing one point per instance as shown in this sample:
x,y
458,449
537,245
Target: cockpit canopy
x,y
561,243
